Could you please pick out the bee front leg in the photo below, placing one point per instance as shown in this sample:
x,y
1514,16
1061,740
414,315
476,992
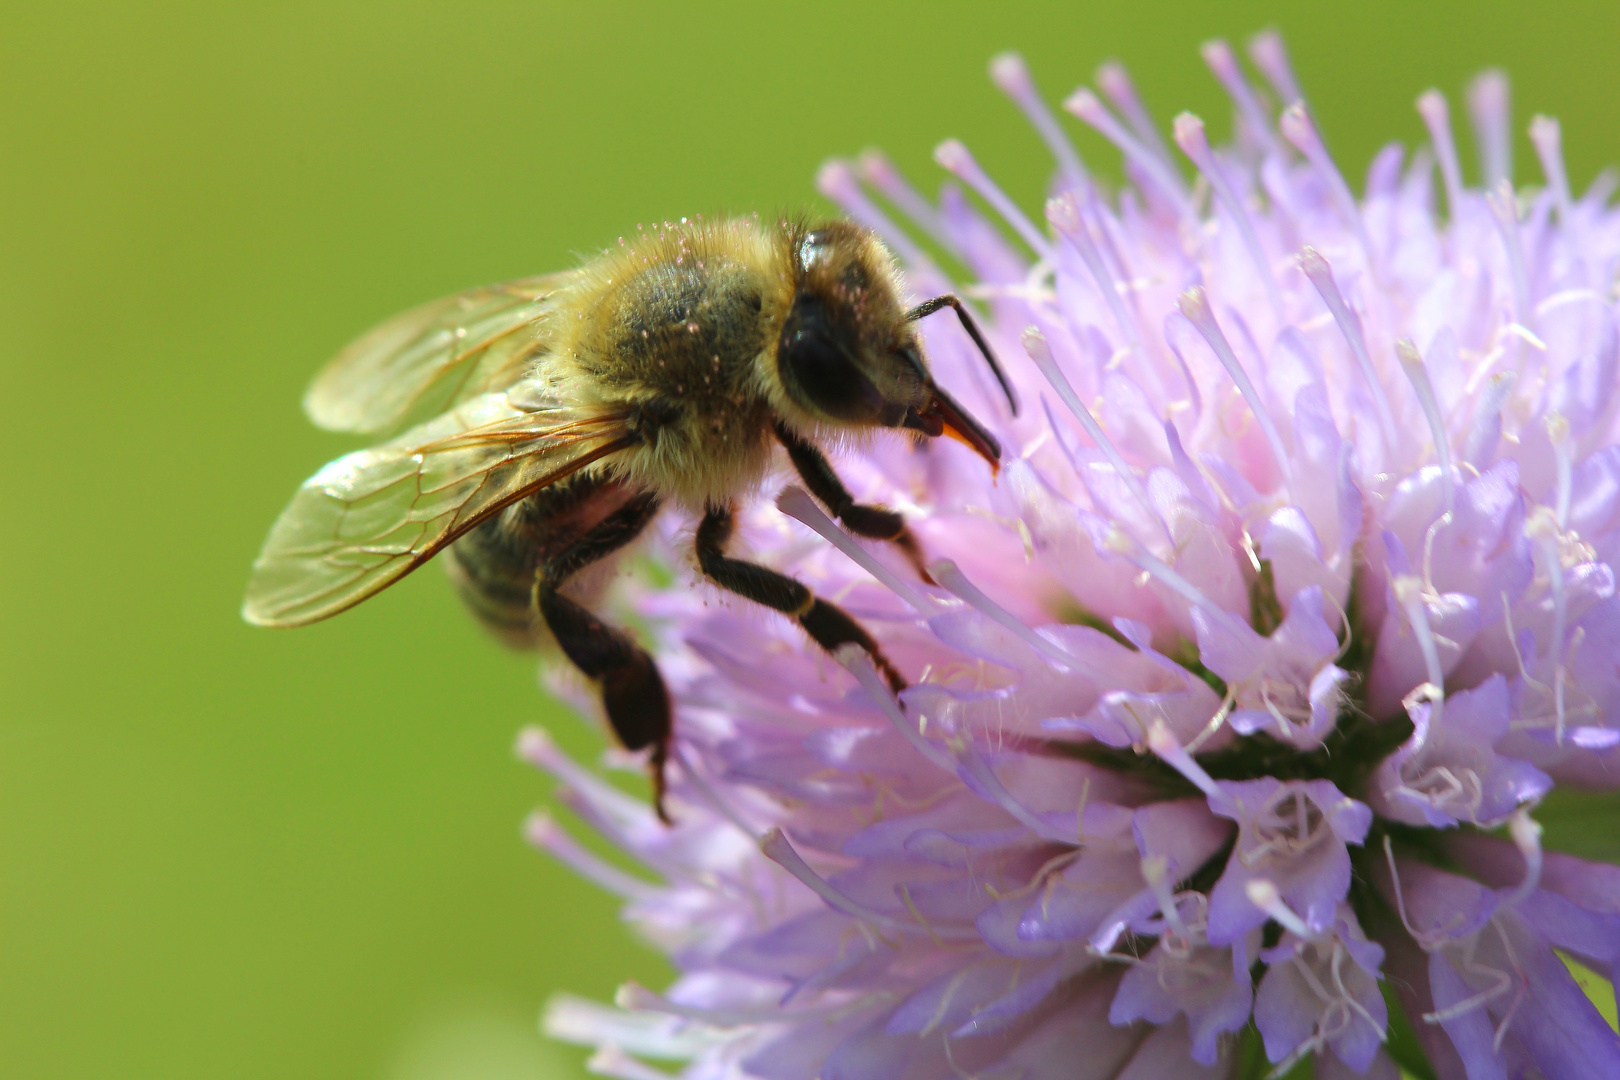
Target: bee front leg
x,y
872,522
633,693
827,625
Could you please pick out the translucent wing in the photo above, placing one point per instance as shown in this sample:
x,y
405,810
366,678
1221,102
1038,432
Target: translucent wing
x,y
435,356
371,517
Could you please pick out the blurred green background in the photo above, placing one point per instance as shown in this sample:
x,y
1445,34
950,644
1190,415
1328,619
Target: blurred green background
x,y
237,853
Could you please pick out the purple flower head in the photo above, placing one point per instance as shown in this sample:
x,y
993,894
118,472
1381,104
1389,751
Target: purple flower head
x,y
1297,580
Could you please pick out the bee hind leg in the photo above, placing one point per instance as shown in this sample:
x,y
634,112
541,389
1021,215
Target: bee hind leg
x,y
828,626
633,692
871,522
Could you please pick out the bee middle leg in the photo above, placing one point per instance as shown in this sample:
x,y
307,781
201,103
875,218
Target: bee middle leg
x,y
827,625
872,522
633,692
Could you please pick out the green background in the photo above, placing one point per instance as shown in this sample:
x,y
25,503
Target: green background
x,y
235,853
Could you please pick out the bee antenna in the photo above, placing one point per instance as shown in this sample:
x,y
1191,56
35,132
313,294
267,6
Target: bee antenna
x,y
949,300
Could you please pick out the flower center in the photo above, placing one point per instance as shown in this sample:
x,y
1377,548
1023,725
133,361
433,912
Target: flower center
x,y
1457,791
1286,701
1288,825
1195,970
1184,936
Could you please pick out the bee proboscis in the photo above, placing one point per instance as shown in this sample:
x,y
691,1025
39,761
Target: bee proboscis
x,y
571,407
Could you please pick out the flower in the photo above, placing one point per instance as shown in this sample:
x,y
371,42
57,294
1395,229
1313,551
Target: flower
x,y
1295,590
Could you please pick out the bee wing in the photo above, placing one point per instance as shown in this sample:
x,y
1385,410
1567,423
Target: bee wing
x,y
435,356
371,517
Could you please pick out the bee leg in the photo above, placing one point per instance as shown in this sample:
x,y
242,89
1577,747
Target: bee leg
x,y
872,522
633,693
828,626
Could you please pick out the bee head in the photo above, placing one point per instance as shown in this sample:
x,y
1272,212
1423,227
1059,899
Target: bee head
x,y
849,354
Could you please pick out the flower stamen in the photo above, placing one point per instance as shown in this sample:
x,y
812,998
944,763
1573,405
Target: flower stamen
x,y
1064,214
1194,304
1488,110
1189,135
1410,593
1543,533
1486,431
1504,210
796,503
536,746
858,663
1298,128
1558,433
542,831
1526,835
1156,872
777,848
946,573
957,160
1115,82
837,181
1412,364
1263,894
609,1061
1431,105
1320,274
1085,105
1269,54
877,170
1218,55
1546,136
1427,941
1164,744
1011,75
1036,346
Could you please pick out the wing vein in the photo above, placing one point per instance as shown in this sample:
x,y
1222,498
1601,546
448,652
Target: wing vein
x,y
367,520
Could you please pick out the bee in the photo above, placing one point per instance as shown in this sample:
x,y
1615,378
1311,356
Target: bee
x,y
570,408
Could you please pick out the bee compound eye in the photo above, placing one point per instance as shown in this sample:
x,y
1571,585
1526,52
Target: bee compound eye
x,y
817,364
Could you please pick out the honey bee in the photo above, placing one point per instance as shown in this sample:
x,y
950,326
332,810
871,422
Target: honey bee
x,y
572,407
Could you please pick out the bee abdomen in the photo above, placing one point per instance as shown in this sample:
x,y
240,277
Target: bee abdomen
x,y
495,579
493,567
